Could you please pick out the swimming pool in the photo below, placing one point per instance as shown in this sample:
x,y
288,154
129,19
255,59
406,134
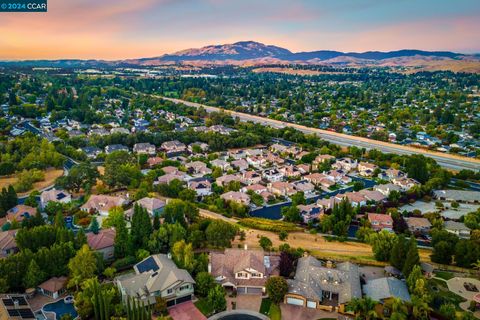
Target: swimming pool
x,y
60,308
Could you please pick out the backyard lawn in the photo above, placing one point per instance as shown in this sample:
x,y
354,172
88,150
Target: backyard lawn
x,y
441,294
444,275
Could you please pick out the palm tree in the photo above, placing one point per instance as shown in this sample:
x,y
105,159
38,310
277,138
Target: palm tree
x,y
364,308
420,308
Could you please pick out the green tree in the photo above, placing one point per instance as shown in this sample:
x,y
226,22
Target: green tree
x,y
141,227
82,176
94,226
382,244
34,275
122,247
220,233
412,259
203,283
276,288
182,254
83,266
399,252
216,298
265,243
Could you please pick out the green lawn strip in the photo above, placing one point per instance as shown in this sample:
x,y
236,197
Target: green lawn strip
x,y
444,275
275,312
270,309
204,307
265,306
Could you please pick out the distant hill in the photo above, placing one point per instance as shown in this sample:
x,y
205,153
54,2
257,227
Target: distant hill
x,y
255,53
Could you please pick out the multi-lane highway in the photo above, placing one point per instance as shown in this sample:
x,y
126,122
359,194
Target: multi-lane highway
x,y
449,161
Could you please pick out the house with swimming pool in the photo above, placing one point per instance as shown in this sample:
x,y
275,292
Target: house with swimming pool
x,y
157,276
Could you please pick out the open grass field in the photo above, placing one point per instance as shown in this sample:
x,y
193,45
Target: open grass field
x,y
268,225
50,176
320,247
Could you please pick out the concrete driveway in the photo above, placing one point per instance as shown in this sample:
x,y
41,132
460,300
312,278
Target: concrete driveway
x,y
291,312
245,302
186,311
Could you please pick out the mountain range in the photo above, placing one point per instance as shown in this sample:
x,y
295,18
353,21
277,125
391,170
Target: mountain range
x,y
255,53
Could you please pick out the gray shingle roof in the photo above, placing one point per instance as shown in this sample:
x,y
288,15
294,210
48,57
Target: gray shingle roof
x,y
384,288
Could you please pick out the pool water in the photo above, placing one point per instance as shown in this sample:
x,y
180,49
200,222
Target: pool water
x,y
60,308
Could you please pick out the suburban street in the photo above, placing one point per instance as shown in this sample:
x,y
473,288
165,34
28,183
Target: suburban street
x,y
449,161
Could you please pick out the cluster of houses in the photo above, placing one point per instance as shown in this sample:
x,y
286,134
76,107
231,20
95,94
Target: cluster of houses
x,y
316,284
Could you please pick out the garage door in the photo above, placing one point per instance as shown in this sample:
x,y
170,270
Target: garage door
x,y
183,299
311,304
248,290
294,301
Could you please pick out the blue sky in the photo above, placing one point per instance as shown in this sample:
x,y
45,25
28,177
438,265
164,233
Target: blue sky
x,y
115,29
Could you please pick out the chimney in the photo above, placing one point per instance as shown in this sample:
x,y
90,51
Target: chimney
x,y
209,267
245,247
169,255
16,304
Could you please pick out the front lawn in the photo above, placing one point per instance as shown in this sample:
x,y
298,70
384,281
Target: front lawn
x,y
204,307
270,309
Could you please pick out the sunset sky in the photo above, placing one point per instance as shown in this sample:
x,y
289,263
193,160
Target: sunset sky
x,y
118,29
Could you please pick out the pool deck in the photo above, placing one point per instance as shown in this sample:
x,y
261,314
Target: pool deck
x,y
39,300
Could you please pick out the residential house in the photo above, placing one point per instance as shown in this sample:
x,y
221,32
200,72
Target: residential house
x,y
153,206
395,174
202,187
203,147
198,168
457,196
338,176
119,130
173,147
380,222
272,175
356,199
103,242
236,196
279,148
366,169
224,165
304,168
405,183
322,158
8,245
20,212
257,188
290,171
144,148
240,164
154,161
257,161
385,189
346,164
328,203
115,147
304,186
91,152
310,212
319,286
418,225
157,276
281,188
54,195
251,177
226,179
457,228
167,178
320,180
372,195
244,271
102,203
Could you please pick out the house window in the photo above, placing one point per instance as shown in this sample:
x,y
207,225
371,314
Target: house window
x,y
184,287
169,291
